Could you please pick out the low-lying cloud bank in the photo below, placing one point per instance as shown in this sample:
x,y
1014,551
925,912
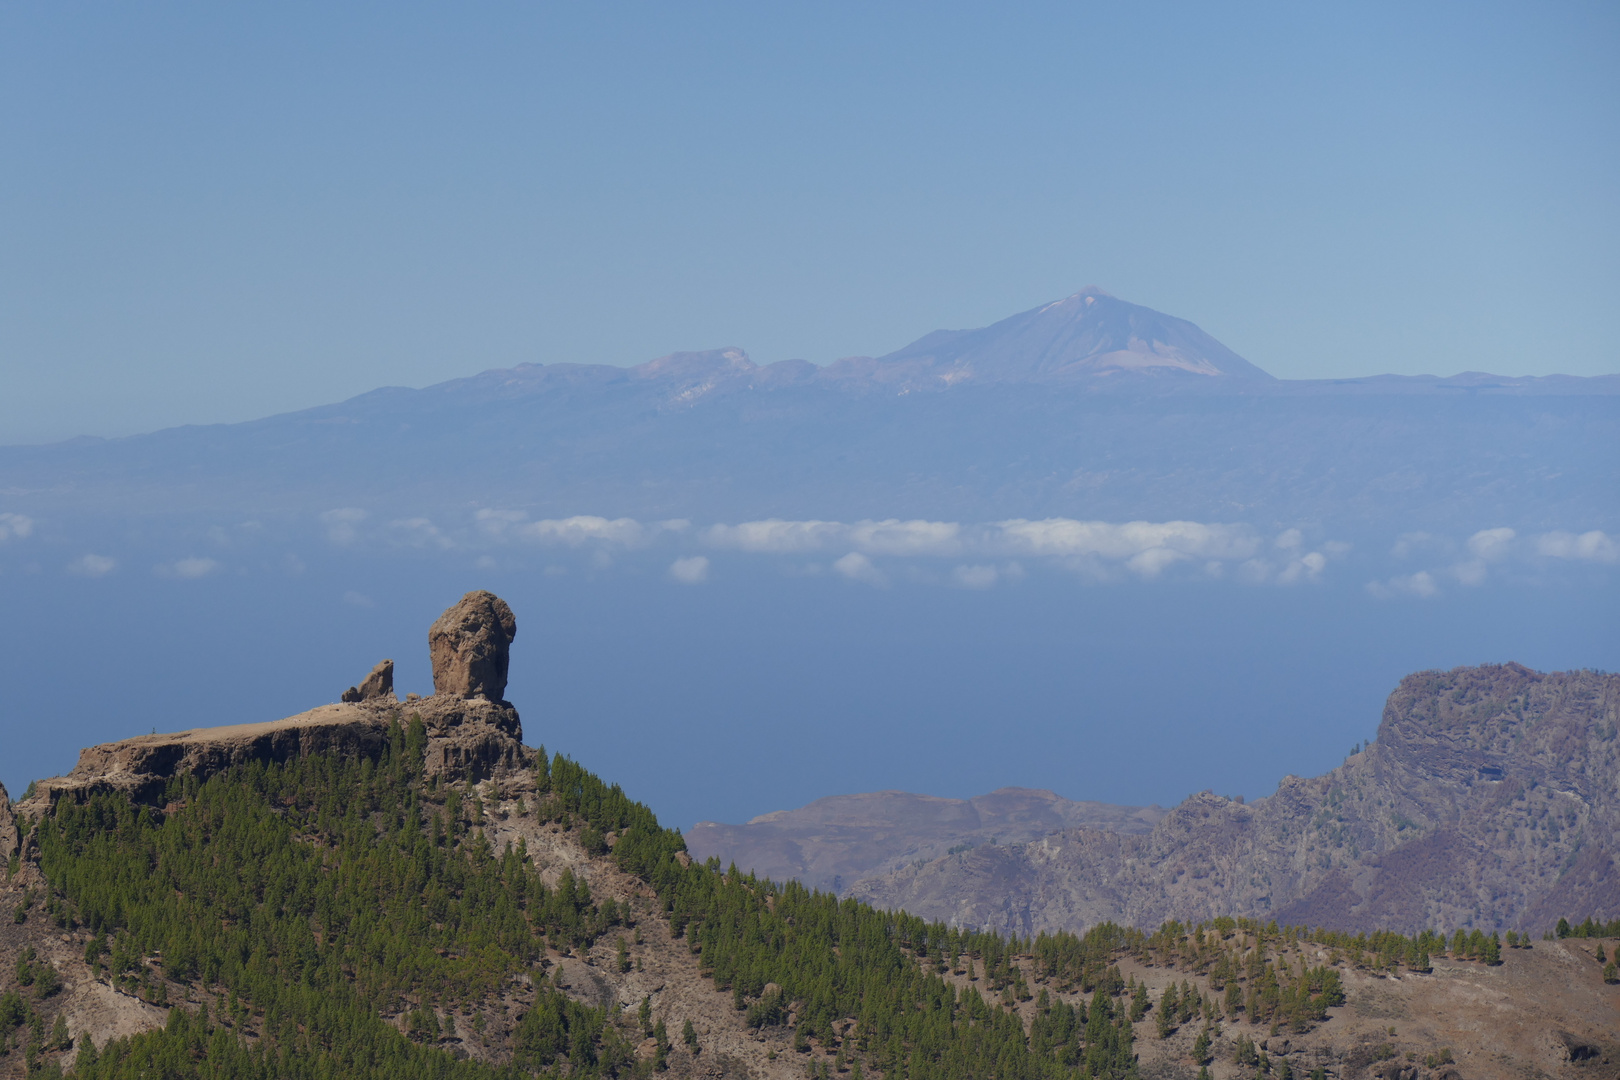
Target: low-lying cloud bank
x,y
1095,549
1488,553
873,552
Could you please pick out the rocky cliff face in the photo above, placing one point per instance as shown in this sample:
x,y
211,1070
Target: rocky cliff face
x,y
8,826
1491,798
466,739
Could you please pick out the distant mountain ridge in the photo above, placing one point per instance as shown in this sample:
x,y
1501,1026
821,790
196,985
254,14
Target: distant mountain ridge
x,y
835,842
1491,798
1088,407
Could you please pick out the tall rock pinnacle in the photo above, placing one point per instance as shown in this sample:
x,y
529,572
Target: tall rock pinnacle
x,y
469,645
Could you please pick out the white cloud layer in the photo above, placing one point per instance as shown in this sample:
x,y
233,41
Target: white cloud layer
x,y
578,531
1594,546
690,571
888,537
984,576
1157,544
1420,585
188,568
92,565
1099,550
342,524
857,567
1491,551
20,526
419,532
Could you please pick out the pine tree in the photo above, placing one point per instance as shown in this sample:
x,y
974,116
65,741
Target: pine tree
x,y
1200,1050
1139,1002
660,1046
85,1063
1169,1006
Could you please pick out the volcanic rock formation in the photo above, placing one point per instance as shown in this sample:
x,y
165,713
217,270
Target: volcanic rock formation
x,y
379,684
470,734
1490,799
470,644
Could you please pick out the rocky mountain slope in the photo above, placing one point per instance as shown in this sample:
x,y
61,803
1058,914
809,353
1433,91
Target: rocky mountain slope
x,y
834,843
209,904
1491,798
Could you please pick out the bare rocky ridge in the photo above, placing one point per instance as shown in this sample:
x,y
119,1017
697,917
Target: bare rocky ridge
x,y
1490,799
834,843
465,738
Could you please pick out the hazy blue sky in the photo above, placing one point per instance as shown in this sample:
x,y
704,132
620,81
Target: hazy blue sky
x,y
212,212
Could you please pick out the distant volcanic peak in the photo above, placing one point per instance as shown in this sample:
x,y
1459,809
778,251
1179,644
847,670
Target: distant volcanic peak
x,y
1085,298
1088,334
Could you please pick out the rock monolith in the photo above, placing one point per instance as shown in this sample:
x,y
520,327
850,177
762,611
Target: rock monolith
x,y
470,647
378,685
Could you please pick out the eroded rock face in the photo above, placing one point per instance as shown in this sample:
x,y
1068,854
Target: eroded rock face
x,y
468,739
8,826
470,647
141,767
378,686
1491,798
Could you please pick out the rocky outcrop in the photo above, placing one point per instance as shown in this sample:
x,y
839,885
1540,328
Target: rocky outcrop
x,y
1491,798
470,647
142,767
378,686
471,734
835,842
466,739
473,739
8,826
